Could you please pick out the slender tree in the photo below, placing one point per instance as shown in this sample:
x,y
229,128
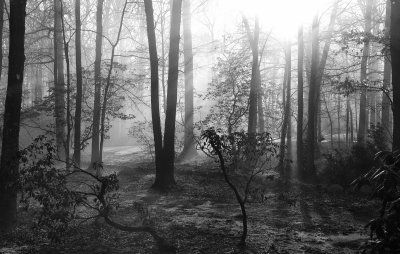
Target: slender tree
x,y
395,56
1,35
11,126
362,126
155,103
97,86
78,102
59,89
300,102
387,73
312,98
189,149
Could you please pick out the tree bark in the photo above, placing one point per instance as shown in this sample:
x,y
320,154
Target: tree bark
x,y
1,35
11,125
395,56
97,86
300,102
59,89
165,177
78,102
362,125
189,150
155,103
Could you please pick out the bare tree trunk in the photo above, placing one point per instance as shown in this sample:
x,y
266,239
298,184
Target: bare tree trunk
x,y
189,150
347,120
312,99
395,56
165,178
97,87
387,73
338,119
59,89
1,35
155,104
78,107
300,102
11,125
362,131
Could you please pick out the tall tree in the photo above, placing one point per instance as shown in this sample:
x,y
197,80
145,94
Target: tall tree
x,y
11,126
312,98
255,83
189,149
2,5
97,86
362,126
155,103
387,73
78,103
300,102
59,89
395,56
165,178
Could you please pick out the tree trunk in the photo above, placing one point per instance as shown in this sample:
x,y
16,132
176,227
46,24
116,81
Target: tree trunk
x,y
97,87
189,150
255,69
165,177
387,72
108,83
338,120
155,103
395,56
300,102
78,103
1,35
312,99
11,125
59,89
286,105
362,125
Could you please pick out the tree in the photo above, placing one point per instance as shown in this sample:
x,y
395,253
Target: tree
x,y
165,177
300,102
255,84
155,103
97,87
395,56
11,126
78,104
189,149
59,89
1,35
362,126
164,154
312,98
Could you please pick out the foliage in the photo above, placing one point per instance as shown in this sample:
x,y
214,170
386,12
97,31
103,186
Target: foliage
x,y
250,152
385,180
230,91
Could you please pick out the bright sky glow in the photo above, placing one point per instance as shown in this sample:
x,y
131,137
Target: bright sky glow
x,y
283,16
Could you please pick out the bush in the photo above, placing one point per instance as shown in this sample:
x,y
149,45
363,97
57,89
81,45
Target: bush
x,y
385,180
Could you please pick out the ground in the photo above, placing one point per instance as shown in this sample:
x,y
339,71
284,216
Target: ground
x,y
201,215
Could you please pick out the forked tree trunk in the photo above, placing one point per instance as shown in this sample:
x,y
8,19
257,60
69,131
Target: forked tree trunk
x,y
395,56
12,111
78,103
165,177
97,87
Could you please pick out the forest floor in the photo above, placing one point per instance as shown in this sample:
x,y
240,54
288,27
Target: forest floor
x,y
201,216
